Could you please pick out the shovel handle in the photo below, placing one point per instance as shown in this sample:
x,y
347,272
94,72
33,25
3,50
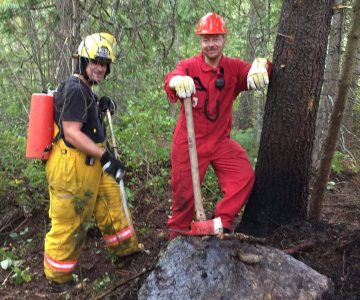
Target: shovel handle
x,y
199,209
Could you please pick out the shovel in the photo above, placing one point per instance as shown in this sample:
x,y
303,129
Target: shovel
x,y
121,183
200,226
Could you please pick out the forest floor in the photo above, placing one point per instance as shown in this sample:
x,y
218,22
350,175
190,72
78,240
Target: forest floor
x,y
331,247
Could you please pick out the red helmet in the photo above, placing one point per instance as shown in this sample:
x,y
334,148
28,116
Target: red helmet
x,y
211,24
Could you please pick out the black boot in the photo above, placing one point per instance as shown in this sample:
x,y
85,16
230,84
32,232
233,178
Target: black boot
x,y
61,287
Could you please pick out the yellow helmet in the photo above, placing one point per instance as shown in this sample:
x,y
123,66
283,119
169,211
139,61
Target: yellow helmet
x,y
98,46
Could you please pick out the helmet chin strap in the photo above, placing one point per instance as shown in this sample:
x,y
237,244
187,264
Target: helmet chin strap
x,y
87,80
90,81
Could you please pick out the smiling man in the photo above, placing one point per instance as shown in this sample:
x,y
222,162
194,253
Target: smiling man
x,y
213,81
82,174
212,47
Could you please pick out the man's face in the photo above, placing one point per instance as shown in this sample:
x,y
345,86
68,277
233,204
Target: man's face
x,y
212,45
96,70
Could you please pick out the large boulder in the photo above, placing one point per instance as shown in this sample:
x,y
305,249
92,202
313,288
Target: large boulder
x,y
194,268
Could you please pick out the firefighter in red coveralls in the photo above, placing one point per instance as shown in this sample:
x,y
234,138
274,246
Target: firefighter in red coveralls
x,y
213,81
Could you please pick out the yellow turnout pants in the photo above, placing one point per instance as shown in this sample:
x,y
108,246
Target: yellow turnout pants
x,y
77,192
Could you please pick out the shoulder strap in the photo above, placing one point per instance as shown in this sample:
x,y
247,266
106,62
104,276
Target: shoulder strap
x,y
57,93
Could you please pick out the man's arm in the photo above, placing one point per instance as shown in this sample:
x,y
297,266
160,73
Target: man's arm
x,y
74,136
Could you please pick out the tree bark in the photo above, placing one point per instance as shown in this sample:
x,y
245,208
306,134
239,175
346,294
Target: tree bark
x,y
35,45
347,141
68,37
330,86
317,195
259,116
282,172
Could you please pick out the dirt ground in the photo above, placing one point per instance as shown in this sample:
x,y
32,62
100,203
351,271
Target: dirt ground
x,y
331,247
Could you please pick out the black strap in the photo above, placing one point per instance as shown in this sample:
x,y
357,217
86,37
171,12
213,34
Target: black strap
x,y
58,93
57,137
200,87
198,84
215,117
222,71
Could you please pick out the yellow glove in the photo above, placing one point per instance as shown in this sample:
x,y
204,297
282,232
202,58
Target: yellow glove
x,y
183,85
258,76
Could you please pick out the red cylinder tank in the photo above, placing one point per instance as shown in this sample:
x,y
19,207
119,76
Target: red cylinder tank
x,y
41,126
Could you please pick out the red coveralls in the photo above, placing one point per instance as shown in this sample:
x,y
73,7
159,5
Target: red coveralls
x,y
214,146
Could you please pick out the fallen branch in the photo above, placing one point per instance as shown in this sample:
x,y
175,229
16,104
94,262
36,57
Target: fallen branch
x,y
305,245
123,283
21,224
7,277
242,237
9,219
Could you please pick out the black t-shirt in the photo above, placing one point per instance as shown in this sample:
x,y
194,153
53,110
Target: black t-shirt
x,y
75,101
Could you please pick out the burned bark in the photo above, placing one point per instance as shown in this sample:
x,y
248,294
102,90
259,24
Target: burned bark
x,y
283,168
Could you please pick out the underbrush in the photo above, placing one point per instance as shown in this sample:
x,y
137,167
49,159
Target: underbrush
x,y
13,249
23,181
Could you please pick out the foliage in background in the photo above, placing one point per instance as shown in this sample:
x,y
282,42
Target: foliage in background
x,y
22,181
247,139
152,36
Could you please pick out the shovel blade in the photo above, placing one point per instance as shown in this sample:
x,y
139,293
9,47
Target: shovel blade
x,y
209,227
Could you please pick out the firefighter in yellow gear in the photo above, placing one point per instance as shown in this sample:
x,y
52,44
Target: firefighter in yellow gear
x,y
82,174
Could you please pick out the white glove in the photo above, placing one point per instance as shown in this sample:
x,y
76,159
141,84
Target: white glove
x,y
183,85
258,76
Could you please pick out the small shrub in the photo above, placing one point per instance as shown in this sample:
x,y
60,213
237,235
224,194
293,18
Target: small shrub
x,y
343,162
10,261
101,283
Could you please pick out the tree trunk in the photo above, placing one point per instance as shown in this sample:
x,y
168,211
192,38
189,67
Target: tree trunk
x,y
330,86
282,172
67,39
33,34
347,141
336,116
